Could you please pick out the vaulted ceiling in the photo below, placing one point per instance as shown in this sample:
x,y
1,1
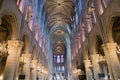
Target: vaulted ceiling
x,y
58,20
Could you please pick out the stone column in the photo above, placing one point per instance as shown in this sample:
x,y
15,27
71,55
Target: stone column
x,y
34,70
50,60
88,71
26,67
42,76
96,68
69,61
39,71
39,74
17,62
14,49
112,59
45,78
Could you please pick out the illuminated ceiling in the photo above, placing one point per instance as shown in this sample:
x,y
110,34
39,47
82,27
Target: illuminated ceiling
x,y
59,14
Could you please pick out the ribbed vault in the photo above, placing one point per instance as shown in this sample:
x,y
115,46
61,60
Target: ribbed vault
x,y
58,13
58,17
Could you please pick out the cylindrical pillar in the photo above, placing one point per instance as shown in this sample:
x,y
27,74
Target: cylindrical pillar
x,y
112,59
14,48
39,71
26,67
96,67
17,63
34,70
88,71
39,74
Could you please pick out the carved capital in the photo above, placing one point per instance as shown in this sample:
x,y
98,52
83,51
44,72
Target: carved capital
x,y
95,56
14,46
88,63
39,67
14,43
34,64
26,57
109,47
101,60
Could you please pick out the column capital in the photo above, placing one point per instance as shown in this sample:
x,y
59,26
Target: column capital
x,y
14,43
88,63
38,66
34,63
109,46
101,59
95,56
25,57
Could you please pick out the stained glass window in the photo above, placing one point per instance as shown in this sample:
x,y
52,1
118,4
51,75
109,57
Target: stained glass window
x,y
58,58
63,68
59,68
62,59
54,58
55,68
